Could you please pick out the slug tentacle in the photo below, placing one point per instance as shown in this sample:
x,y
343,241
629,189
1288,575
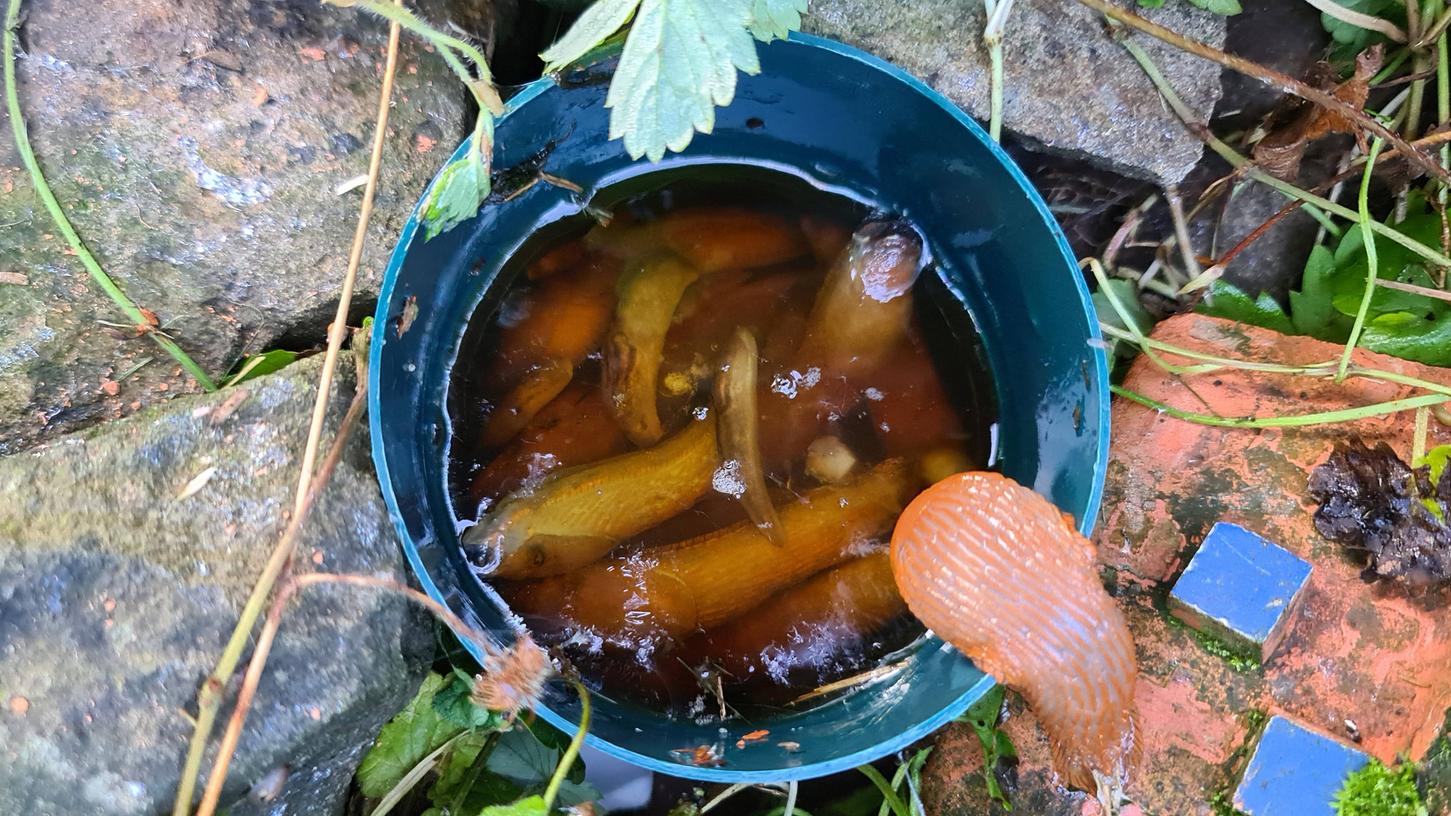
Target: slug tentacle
x,y
997,571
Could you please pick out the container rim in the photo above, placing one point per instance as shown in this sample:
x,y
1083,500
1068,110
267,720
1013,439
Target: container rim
x,y
807,770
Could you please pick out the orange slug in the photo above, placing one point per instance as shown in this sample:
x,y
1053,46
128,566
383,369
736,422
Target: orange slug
x,y
864,304
560,322
711,239
1001,574
703,582
576,516
648,295
573,429
516,409
808,625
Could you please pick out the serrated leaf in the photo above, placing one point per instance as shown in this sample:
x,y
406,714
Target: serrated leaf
x,y
1310,308
1225,7
456,195
775,19
1410,337
410,736
533,806
1227,301
454,704
598,23
678,63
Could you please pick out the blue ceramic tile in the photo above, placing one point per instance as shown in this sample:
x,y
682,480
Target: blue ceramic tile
x,y
1241,588
1294,772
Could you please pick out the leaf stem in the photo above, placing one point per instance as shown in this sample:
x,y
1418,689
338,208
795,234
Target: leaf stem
x,y
1271,77
570,753
1296,421
1366,21
57,214
1371,259
992,37
888,794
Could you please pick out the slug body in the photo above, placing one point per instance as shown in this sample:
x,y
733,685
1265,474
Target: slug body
x,y
810,626
1001,574
636,343
575,516
673,590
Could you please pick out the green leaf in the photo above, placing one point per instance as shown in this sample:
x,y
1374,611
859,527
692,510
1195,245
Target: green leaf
x,y
678,63
1394,262
1410,337
983,716
410,736
1151,4
598,22
255,365
1353,36
1226,301
456,195
1225,7
522,758
459,773
1436,459
775,19
1310,308
533,806
453,704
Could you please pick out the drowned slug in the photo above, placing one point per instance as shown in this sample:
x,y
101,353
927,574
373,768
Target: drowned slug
x,y
648,297
810,625
735,401
675,589
575,516
1001,574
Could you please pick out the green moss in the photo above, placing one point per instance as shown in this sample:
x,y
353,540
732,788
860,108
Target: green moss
x,y
1221,805
1376,790
1238,659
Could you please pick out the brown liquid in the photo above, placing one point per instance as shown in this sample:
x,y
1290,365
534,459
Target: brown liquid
x,y
553,378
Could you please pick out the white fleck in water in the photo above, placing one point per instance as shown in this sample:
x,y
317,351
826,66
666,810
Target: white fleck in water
x,y
727,479
700,413
873,394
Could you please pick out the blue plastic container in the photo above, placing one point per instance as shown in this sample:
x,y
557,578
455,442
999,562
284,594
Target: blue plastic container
x,y
843,121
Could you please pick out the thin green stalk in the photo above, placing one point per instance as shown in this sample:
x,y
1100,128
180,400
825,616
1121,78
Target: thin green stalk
x,y
1298,421
1392,65
1237,160
1316,370
888,794
446,45
992,37
572,751
1418,439
1371,260
52,206
1418,65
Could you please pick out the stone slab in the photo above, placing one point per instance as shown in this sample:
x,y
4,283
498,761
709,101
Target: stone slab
x,y
1067,88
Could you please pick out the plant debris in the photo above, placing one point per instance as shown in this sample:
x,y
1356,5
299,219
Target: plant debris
x,y
1373,502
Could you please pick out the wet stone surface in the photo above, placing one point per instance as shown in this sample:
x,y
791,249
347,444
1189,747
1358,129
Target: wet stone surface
x,y
196,147
117,594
